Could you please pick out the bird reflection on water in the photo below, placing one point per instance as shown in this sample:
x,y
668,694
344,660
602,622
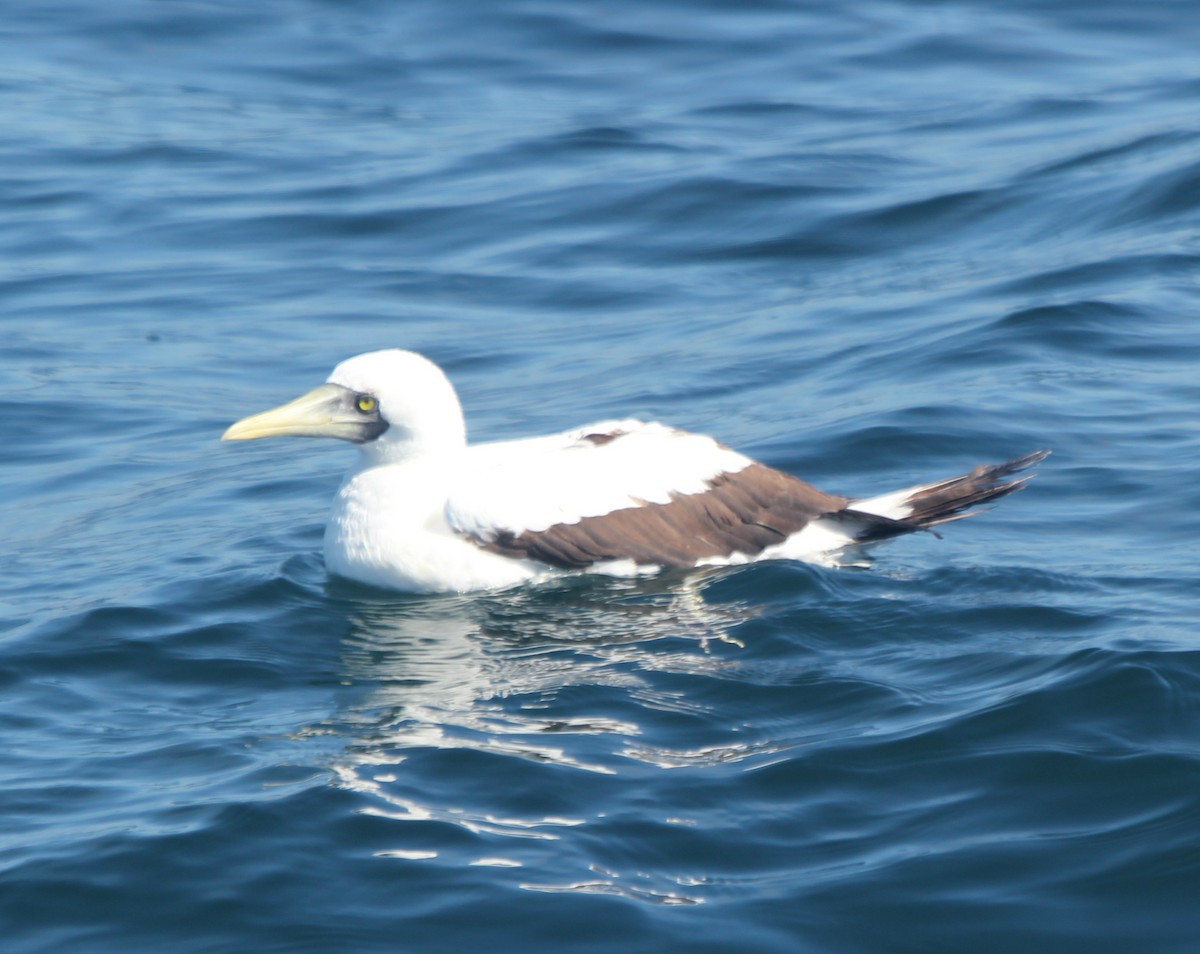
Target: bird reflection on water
x,y
579,676
473,672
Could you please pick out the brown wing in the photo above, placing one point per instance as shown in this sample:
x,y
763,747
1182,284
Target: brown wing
x,y
743,512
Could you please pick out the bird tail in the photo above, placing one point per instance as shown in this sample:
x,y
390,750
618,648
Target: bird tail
x,y
929,505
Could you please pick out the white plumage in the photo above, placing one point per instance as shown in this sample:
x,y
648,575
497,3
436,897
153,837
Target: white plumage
x,y
536,483
424,511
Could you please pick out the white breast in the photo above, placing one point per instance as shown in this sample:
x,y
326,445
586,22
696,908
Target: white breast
x,y
387,529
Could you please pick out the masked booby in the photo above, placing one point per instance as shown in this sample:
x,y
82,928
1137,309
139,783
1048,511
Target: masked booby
x,y
423,511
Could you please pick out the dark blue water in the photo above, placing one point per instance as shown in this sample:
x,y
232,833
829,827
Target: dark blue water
x,y
872,243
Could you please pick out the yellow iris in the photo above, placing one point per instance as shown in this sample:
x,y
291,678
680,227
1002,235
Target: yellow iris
x,y
366,403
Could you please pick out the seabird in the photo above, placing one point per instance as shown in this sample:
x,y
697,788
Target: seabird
x,y
423,511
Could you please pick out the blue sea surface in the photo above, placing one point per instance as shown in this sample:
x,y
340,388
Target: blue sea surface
x,y
872,243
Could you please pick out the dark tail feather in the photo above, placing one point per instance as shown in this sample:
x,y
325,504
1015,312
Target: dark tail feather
x,y
939,503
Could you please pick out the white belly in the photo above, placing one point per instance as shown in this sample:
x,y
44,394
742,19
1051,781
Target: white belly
x,y
387,529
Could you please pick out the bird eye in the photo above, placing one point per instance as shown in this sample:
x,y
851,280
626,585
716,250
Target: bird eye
x,y
366,403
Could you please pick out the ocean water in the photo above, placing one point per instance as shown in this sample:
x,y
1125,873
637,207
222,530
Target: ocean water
x,y
872,243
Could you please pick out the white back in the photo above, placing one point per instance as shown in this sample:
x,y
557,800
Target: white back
x,y
536,483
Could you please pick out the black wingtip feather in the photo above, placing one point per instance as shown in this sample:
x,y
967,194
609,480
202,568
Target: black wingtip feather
x,y
952,499
948,500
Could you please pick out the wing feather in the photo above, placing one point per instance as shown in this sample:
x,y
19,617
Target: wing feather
x,y
624,490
